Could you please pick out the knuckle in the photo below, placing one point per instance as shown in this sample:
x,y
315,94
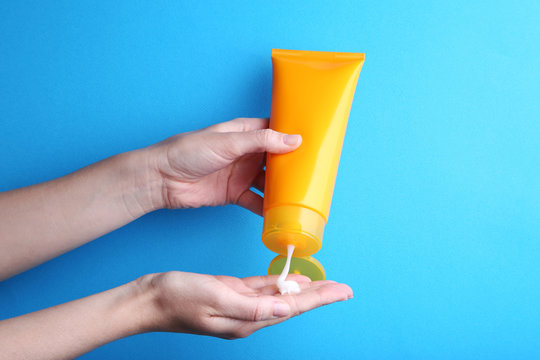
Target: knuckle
x,y
242,123
259,312
264,137
295,309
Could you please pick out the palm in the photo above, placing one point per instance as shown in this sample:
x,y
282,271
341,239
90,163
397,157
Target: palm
x,y
222,305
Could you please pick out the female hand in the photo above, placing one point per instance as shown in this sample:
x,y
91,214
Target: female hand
x,y
230,307
221,306
217,165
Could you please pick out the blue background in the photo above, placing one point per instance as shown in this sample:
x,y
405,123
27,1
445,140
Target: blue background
x,y
436,211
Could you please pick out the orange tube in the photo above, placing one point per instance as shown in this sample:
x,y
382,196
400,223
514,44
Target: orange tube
x,y
311,96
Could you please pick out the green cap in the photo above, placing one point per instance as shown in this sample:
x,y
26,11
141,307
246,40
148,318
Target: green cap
x,y
304,265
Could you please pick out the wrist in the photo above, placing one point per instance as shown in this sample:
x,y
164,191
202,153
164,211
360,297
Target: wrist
x,y
145,305
143,184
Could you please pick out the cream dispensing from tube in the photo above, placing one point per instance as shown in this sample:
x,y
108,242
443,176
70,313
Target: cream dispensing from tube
x,y
312,95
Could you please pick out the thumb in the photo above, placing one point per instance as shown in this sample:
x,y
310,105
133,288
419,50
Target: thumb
x,y
257,308
236,144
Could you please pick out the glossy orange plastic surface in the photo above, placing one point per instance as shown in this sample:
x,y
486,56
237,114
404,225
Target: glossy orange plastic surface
x,y
312,95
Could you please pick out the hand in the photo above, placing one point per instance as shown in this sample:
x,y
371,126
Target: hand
x,y
218,165
230,307
214,166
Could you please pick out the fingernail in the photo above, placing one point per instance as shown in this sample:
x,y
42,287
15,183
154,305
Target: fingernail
x,y
291,139
281,309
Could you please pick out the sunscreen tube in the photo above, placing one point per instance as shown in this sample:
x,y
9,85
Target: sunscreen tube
x,y
312,95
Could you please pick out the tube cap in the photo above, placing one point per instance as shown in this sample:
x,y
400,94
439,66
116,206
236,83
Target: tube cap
x,y
305,265
293,225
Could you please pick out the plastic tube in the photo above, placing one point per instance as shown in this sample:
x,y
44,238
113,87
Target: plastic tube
x,y
312,95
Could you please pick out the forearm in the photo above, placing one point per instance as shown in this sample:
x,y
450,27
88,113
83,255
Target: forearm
x,y
74,328
42,221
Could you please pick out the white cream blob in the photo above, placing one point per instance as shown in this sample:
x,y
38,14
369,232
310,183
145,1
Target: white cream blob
x,y
287,287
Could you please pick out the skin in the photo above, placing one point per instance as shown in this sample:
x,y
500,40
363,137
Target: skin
x,y
210,167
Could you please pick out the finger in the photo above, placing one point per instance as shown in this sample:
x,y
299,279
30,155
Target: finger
x,y
255,308
258,182
233,145
251,201
257,282
240,125
318,295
